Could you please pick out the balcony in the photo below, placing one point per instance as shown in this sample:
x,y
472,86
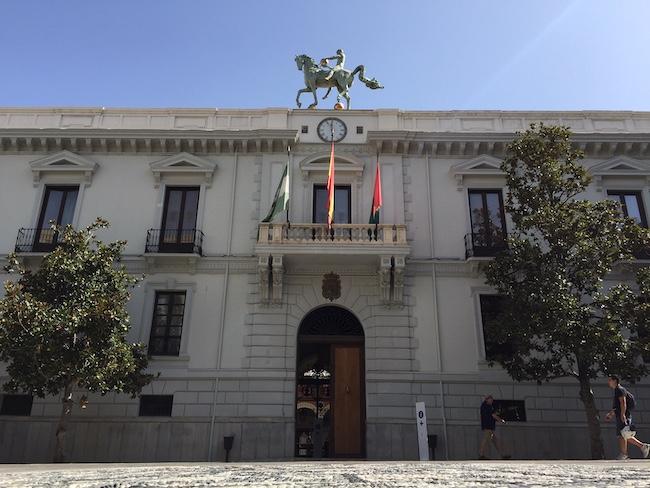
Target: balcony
x,y
36,240
340,239
484,245
174,241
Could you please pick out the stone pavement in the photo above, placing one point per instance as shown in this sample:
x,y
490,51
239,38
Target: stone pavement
x,y
333,474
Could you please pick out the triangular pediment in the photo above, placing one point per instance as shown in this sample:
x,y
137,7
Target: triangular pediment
x,y
621,166
183,163
64,159
63,162
482,165
479,165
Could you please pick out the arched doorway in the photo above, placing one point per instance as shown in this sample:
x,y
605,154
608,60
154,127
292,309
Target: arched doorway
x,y
330,385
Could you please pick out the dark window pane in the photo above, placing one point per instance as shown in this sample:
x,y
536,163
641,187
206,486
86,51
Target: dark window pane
x,y
68,208
631,205
342,210
166,328
52,206
190,209
16,405
491,307
156,405
511,410
173,210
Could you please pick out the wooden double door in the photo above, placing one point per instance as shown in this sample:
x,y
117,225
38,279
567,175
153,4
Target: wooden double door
x,y
330,400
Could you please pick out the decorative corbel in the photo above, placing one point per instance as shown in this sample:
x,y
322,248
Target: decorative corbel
x,y
264,273
384,279
277,271
598,180
398,281
459,182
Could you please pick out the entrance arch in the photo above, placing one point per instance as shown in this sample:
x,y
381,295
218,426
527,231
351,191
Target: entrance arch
x,y
330,385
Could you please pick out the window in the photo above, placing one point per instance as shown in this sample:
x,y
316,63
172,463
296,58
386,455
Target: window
x,y
491,307
488,222
631,204
359,129
304,129
156,405
17,405
58,206
511,410
167,325
342,204
179,219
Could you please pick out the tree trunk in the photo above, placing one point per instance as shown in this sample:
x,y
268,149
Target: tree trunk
x,y
61,429
593,418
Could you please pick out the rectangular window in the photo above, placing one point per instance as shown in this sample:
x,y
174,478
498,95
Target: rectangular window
x,y
488,222
342,204
631,205
511,410
179,231
167,324
156,405
58,206
491,307
17,405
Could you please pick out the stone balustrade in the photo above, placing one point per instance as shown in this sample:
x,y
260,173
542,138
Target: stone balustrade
x,y
339,235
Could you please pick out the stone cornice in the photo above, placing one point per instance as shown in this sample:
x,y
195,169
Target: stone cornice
x,y
145,141
471,144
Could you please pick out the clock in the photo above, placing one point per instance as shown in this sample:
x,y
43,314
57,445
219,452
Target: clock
x,y
332,129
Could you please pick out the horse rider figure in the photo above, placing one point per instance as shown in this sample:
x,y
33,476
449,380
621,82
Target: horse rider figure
x,y
340,61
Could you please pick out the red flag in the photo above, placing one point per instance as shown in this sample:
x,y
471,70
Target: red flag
x,y
330,190
376,197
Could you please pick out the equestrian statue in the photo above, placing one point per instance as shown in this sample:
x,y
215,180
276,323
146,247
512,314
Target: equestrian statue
x,y
323,76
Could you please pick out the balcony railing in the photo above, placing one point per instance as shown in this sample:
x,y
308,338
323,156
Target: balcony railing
x,y
339,234
480,245
184,241
36,240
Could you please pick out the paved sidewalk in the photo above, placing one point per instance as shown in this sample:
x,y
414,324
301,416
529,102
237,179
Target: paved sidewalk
x,y
333,474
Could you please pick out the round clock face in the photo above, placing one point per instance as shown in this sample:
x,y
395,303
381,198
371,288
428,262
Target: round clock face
x,y
332,129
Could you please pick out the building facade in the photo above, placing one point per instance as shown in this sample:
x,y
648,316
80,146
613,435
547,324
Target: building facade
x,y
297,341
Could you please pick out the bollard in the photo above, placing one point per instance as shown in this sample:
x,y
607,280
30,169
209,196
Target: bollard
x,y
228,441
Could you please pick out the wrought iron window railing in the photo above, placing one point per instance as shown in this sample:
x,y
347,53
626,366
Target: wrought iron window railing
x,y
186,241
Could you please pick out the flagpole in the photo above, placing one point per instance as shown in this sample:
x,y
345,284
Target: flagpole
x,y
377,220
289,161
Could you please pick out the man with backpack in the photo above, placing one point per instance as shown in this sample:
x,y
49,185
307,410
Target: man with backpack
x,y
622,410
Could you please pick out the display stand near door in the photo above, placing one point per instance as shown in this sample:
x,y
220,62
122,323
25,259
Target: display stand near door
x,y
330,386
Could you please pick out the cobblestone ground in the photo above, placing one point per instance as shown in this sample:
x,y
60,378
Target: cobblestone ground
x,y
368,474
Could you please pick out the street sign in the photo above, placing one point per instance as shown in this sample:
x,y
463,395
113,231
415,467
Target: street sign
x,y
423,439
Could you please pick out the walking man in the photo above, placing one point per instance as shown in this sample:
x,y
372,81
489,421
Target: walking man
x,y
489,418
622,410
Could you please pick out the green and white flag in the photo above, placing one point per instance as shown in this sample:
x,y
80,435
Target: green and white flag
x,y
281,200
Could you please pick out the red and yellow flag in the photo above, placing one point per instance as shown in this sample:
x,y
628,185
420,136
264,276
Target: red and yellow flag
x,y
376,197
330,190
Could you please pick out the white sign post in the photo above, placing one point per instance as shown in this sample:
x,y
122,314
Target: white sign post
x,y
423,438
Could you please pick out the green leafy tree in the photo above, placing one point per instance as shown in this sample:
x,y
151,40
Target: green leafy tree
x,y
559,319
63,326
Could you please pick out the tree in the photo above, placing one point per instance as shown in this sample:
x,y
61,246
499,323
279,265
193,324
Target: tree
x,y
559,318
63,326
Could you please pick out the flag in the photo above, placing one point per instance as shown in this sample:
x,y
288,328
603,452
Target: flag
x,y
281,199
330,190
376,197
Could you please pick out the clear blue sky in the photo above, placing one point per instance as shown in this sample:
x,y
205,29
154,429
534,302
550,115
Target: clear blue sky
x,y
430,54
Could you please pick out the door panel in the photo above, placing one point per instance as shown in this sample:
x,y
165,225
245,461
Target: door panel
x,y
347,401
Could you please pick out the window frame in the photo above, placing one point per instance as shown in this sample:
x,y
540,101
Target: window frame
x,y
620,194
320,186
141,405
493,247
3,405
171,294
40,226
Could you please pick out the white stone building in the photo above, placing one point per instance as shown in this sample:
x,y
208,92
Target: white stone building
x,y
233,308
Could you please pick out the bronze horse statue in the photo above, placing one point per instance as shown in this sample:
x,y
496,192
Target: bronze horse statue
x,y
317,77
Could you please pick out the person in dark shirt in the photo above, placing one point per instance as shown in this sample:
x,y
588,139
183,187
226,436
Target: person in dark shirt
x,y
622,412
489,418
